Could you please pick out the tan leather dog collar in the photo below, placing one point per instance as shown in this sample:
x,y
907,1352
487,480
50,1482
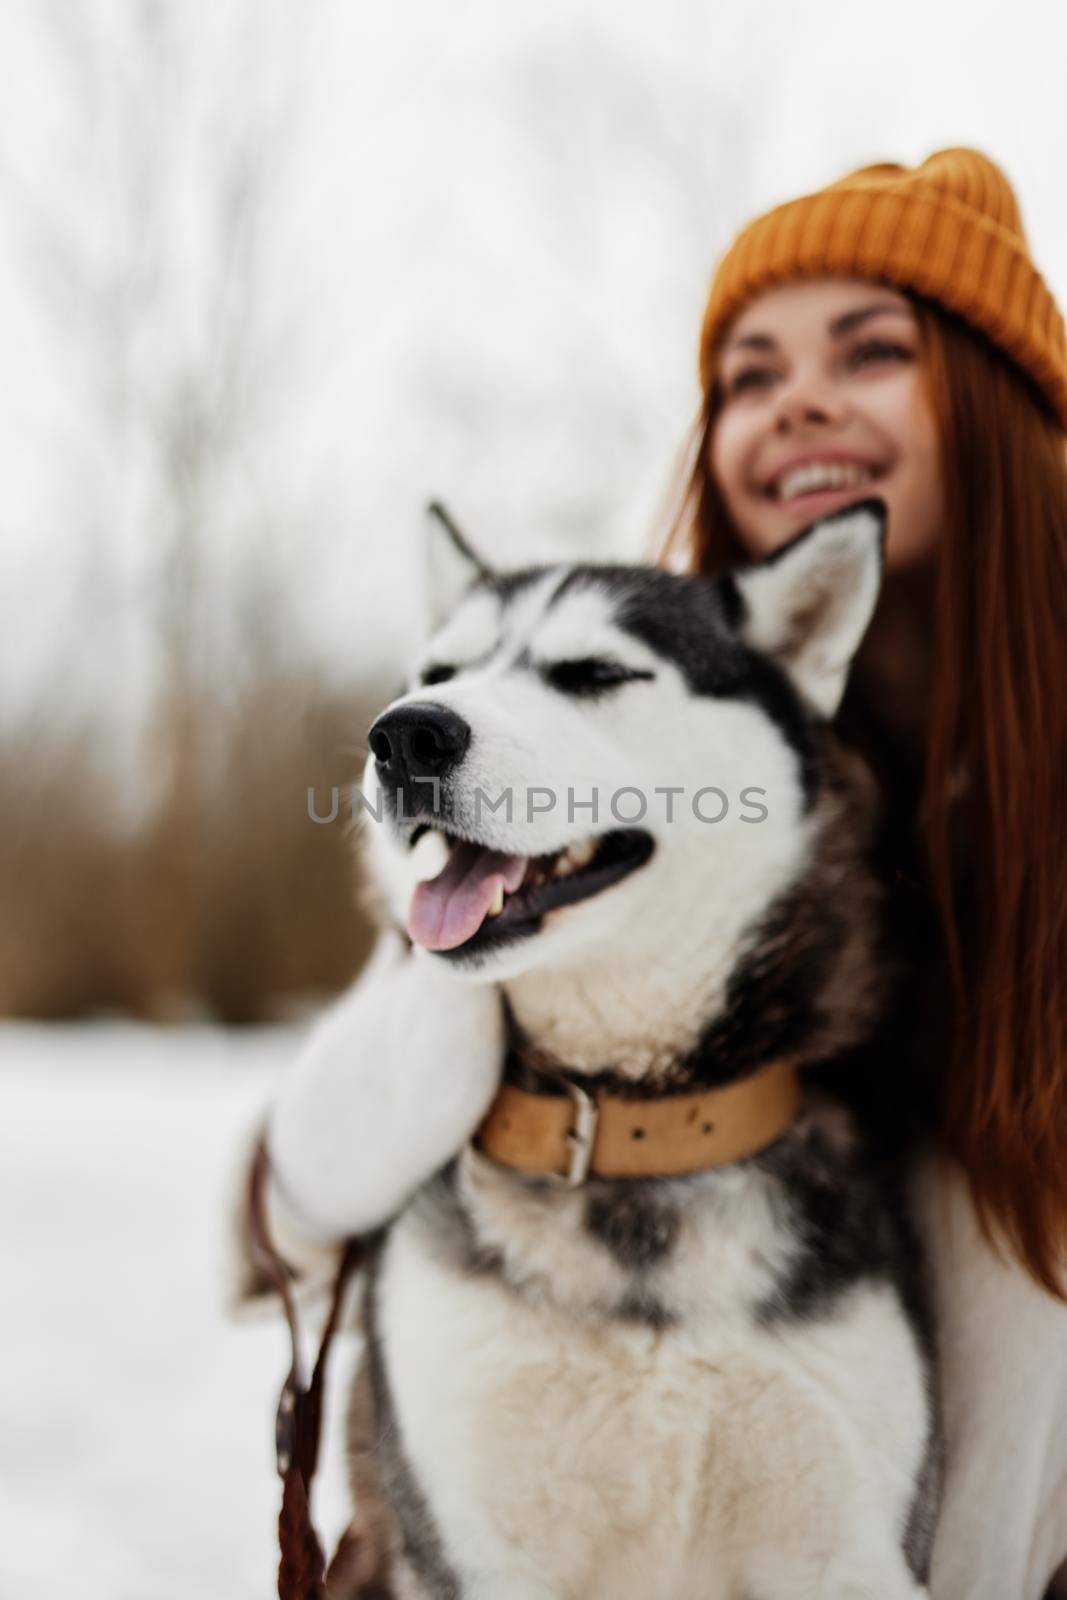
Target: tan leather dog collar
x,y
577,1133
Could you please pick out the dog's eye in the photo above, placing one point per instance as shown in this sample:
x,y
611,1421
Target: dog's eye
x,y
436,674
591,675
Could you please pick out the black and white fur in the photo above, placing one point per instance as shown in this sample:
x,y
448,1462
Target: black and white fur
x,y
714,1387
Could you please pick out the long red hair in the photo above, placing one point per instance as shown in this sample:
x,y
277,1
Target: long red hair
x,y
998,713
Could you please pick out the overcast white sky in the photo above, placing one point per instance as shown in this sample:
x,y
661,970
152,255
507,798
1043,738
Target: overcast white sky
x,y
475,268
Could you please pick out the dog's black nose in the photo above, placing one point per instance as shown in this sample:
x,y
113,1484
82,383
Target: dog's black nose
x,y
418,741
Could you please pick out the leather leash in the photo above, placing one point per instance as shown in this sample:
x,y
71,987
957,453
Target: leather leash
x,y
302,1573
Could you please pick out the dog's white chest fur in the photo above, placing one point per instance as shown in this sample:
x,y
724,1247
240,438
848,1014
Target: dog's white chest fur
x,y
569,1455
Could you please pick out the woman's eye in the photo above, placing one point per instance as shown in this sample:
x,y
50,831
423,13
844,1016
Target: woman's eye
x,y
749,378
872,350
590,675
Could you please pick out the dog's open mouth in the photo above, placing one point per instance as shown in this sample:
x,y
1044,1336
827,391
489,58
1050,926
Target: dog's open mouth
x,y
482,896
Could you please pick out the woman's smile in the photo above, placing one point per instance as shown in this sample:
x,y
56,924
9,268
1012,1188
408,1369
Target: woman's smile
x,y
824,477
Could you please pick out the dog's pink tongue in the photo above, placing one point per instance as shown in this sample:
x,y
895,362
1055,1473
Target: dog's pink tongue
x,y
446,910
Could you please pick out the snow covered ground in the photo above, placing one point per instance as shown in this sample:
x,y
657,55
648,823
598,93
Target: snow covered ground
x,y
135,1418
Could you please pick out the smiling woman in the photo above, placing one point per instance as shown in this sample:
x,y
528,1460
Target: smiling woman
x,y
891,336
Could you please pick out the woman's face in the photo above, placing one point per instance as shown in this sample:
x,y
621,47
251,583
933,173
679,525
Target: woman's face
x,y
824,403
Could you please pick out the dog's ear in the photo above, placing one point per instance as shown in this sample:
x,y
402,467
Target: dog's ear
x,y
452,565
809,603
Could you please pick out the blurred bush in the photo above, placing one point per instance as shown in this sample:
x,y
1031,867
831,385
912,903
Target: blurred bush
x,y
222,898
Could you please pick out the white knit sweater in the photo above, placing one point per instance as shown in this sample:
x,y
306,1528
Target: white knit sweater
x,y
1003,1351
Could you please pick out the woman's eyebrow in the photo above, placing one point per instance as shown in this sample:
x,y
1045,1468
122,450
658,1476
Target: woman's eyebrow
x,y
852,319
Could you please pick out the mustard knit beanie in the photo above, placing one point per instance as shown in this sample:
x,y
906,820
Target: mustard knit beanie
x,y
949,230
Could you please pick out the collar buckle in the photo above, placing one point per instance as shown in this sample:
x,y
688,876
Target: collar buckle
x,y
580,1138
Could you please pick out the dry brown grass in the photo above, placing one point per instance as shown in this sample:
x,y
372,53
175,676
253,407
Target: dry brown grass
x,y
226,898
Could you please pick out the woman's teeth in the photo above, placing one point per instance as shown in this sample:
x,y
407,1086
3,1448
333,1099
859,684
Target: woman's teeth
x,y
816,475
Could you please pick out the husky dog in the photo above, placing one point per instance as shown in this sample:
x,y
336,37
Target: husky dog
x,y
711,1386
